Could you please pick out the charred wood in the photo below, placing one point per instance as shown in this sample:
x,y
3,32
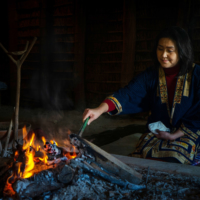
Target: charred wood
x,y
86,167
107,161
44,181
66,175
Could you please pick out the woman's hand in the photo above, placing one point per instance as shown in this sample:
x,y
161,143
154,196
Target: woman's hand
x,y
95,113
164,135
169,136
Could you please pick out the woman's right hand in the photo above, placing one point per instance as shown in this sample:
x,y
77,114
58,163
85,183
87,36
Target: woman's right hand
x,y
95,112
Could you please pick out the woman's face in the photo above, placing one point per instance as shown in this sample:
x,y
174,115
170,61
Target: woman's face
x,y
167,53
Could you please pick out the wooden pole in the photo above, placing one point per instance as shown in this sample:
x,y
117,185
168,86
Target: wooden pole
x,y
16,123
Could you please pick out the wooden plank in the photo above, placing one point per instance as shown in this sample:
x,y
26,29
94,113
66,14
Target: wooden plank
x,y
106,160
135,176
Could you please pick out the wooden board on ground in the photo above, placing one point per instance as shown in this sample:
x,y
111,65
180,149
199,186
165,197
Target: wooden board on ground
x,y
122,170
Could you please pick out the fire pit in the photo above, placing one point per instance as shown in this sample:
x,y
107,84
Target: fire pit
x,y
40,168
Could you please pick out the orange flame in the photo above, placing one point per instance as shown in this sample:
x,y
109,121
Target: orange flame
x,y
71,155
8,190
16,155
44,140
44,159
38,148
29,164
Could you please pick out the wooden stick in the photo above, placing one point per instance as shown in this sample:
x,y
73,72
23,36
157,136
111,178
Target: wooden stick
x,y
8,136
16,120
8,54
19,64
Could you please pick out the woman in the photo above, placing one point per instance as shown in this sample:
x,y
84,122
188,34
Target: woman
x,y
171,91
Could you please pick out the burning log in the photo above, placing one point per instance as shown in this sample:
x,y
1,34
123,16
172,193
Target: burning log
x,y
44,181
107,161
52,148
56,161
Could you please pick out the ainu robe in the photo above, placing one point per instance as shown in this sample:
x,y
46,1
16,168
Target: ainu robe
x,y
148,92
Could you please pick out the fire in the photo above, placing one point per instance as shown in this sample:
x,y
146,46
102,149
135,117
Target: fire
x,y
25,169
44,159
38,148
16,155
71,155
44,140
29,164
29,153
8,190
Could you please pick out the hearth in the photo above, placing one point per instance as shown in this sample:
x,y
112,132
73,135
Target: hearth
x,y
40,168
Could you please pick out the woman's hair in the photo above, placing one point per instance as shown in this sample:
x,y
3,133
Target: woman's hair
x,y
183,43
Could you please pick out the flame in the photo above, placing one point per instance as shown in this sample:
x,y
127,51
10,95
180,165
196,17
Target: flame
x,y
44,140
38,148
16,155
19,173
29,163
71,155
8,190
32,139
44,159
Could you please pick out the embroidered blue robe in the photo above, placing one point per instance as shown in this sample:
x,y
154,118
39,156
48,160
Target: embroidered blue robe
x,y
148,92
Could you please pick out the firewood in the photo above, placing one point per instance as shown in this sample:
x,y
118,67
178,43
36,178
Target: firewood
x,y
47,180
109,162
66,175
86,167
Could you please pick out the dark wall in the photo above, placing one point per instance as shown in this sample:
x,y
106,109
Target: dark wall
x,y
4,61
85,49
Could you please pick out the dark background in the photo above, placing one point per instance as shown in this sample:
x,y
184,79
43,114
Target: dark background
x,y
85,49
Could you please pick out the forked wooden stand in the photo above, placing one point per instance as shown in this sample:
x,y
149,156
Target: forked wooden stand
x,y
18,63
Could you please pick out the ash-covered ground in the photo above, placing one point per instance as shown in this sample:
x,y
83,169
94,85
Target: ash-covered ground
x,y
160,185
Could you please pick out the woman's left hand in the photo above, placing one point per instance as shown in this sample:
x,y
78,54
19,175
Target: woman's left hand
x,y
164,135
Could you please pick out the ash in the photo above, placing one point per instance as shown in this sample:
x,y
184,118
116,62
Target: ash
x,y
160,185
